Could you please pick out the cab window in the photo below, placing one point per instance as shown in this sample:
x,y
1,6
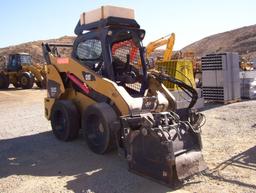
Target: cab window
x,y
89,49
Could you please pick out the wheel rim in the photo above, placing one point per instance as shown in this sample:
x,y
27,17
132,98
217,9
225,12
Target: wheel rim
x,y
24,80
96,132
60,122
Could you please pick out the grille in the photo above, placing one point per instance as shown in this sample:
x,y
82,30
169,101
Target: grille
x,y
213,93
212,62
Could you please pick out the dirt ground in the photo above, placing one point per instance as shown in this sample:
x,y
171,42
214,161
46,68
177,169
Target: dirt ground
x,y
33,160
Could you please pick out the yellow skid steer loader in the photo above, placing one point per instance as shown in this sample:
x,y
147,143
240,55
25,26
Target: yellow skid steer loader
x,y
99,90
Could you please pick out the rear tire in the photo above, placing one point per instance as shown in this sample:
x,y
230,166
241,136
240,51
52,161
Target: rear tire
x,y
4,81
26,80
65,120
96,123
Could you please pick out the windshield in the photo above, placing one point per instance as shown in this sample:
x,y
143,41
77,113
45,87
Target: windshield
x,y
127,65
126,50
25,59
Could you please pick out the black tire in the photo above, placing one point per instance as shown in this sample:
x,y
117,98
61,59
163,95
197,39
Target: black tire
x,y
41,84
65,120
26,80
96,123
4,81
17,84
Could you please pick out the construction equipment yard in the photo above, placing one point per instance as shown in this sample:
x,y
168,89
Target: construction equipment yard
x,y
33,160
122,114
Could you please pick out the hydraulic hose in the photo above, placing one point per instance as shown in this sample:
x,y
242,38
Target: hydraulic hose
x,y
189,90
144,84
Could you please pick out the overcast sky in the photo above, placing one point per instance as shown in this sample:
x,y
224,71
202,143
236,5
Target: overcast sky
x,y
190,20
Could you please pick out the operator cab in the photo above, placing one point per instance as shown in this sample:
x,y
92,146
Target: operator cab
x,y
16,61
117,42
126,53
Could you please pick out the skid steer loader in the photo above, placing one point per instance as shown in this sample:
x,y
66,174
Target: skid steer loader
x,y
21,72
118,106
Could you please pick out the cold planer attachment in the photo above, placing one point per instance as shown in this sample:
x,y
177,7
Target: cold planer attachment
x,y
161,146
164,148
105,89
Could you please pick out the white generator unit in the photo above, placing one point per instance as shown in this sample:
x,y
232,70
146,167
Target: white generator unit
x,y
220,77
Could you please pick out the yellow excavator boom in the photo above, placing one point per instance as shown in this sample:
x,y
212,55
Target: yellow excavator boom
x,y
169,48
166,40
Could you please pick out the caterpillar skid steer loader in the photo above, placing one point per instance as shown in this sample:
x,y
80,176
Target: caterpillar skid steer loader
x,y
21,72
117,106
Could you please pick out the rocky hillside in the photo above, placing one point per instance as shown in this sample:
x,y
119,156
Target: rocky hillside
x,y
242,40
34,48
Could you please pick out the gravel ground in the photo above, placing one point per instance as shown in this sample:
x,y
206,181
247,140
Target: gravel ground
x,y
32,160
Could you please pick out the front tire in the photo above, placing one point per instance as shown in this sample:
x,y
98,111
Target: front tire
x,y
26,80
96,123
65,120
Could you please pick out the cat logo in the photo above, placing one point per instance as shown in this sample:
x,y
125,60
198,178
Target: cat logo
x,y
88,76
53,91
148,104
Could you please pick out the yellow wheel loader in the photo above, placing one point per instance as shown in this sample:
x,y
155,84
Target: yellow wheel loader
x,y
21,72
98,90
